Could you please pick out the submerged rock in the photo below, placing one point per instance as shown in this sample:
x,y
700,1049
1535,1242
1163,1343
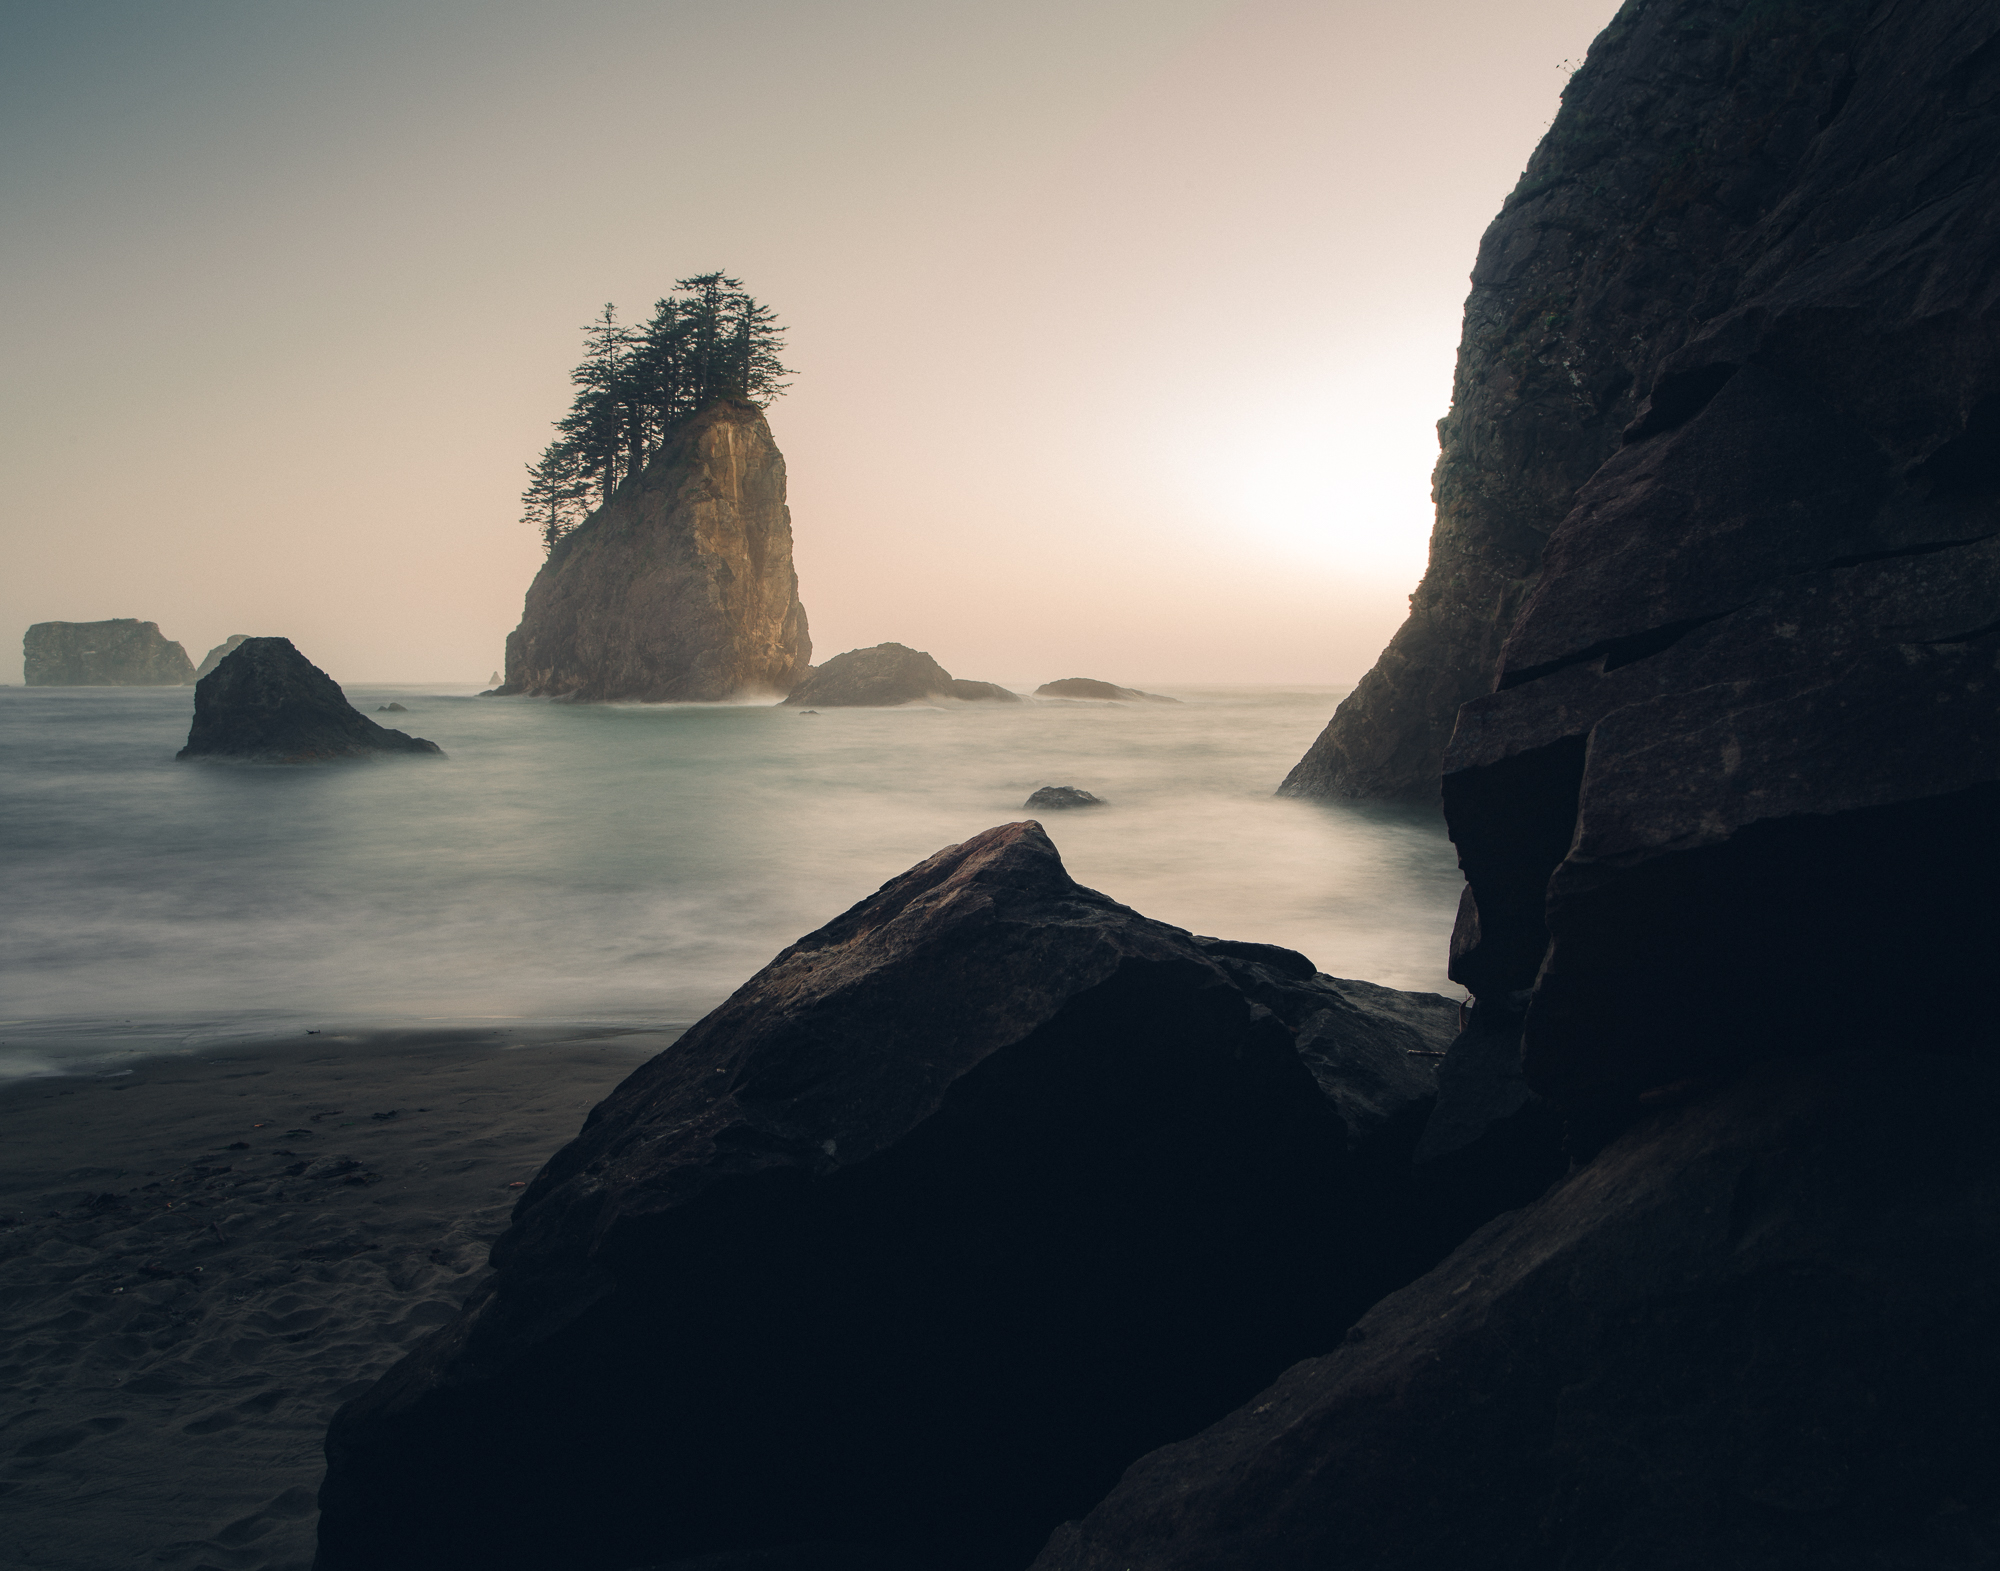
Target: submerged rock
x,y
213,658
680,587
1090,687
266,703
1063,796
884,675
1753,1332
885,1257
120,652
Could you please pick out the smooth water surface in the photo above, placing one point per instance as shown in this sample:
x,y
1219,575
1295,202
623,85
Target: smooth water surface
x,y
628,863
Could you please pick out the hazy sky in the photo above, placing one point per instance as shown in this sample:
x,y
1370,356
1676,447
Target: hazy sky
x,y
1121,325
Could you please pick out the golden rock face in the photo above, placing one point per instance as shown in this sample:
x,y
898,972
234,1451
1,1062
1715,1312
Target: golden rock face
x,y
681,587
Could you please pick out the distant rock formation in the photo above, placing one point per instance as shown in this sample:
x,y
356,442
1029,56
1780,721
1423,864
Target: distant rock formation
x,y
979,692
886,675
680,587
120,652
266,703
1061,797
391,709
1090,687
213,658
908,1248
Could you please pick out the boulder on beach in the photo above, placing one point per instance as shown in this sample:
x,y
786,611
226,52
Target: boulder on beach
x,y
680,587
1090,687
213,658
1063,796
119,652
266,703
887,1255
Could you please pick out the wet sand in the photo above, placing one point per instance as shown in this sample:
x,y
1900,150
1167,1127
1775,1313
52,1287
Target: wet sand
x,y
201,1259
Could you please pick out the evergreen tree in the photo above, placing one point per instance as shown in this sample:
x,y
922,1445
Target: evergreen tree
x,y
706,342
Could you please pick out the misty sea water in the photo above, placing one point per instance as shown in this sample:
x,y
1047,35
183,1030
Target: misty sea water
x,y
626,865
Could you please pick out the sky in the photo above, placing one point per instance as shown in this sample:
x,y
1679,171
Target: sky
x,y
1121,327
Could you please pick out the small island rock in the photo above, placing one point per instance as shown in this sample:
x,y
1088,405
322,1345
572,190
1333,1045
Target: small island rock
x,y
875,678
1063,796
267,703
390,709
1090,687
119,652
214,657
981,692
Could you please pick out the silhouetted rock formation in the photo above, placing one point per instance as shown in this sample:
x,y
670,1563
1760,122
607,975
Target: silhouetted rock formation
x,y
266,703
680,587
888,1255
1062,796
213,658
121,652
1755,1332
1727,823
1657,242
1090,687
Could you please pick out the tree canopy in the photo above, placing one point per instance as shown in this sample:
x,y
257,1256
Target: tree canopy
x,y
707,341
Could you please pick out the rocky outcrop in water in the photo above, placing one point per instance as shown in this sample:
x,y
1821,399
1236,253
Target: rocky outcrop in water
x,y
213,658
886,675
267,704
121,652
680,587
884,1258
1758,191
1090,687
1048,797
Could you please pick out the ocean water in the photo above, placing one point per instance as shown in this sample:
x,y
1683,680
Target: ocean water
x,y
625,865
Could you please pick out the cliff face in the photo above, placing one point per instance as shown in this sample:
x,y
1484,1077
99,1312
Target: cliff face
x,y
1684,147
680,587
121,652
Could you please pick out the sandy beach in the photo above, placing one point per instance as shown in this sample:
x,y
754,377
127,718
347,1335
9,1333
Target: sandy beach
x,y
202,1258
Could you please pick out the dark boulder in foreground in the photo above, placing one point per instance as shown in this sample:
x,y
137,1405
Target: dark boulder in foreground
x,y
214,657
1756,1331
1063,796
885,1258
268,704
121,652
1090,687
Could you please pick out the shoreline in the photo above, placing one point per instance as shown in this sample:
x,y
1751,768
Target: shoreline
x,y
202,1257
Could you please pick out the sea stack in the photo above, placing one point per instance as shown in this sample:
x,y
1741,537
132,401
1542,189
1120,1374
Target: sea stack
x,y
265,703
120,652
679,588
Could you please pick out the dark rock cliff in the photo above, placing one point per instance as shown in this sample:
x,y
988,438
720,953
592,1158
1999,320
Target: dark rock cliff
x,y
887,1254
265,703
121,652
680,587
1727,816
1702,144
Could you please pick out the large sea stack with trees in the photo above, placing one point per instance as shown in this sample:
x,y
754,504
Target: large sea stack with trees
x,y
662,505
